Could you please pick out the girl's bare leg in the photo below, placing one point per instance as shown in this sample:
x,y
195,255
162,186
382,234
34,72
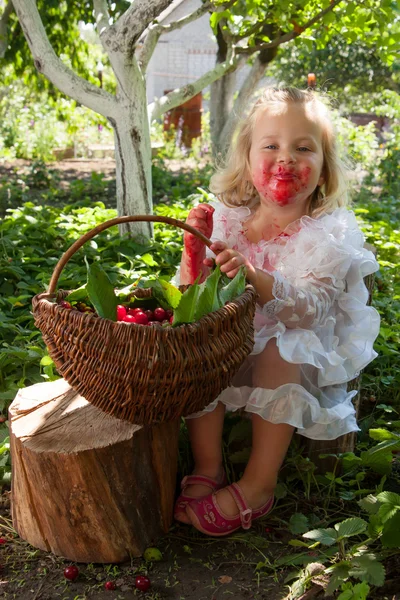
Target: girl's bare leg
x,y
270,441
206,442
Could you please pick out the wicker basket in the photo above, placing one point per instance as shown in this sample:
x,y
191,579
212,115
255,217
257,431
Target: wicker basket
x,y
145,375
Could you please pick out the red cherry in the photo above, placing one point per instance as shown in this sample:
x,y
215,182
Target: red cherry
x,y
159,314
133,311
169,314
71,572
142,583
3,541
171,319
149,314
129,319
268,529
121,312
141,318
65,304
110,585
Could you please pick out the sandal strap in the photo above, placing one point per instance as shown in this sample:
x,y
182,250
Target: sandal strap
x,y
245,512
199,480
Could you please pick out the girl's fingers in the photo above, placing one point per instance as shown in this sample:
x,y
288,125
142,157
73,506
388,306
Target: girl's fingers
x,y
208,262
218,246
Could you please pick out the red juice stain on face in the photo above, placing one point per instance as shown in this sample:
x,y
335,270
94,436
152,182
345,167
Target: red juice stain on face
x,y
281,185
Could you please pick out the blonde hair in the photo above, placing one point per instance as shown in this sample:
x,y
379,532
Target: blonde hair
x,y
231,182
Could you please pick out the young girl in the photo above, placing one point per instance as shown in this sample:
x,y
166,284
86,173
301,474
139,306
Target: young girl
x,y
282,215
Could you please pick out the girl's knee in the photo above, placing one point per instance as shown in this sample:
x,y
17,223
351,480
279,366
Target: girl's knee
x,y
271,370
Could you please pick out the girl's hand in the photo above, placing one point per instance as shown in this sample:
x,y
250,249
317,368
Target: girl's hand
x,y
230,261
200,217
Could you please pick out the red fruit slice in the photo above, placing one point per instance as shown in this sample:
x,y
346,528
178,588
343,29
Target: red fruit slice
x,y
121,312
71,573
142,583
129,319
159,314
141,318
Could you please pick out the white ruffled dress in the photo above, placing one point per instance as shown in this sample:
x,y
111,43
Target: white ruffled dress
x,y
319,317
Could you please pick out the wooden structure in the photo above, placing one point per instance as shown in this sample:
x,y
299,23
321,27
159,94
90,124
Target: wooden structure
x,y
186,120
87,486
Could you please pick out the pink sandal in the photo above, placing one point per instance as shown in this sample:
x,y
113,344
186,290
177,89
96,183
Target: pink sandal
x,y
206,515
182,500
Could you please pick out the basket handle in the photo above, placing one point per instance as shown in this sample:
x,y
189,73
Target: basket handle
x,y
93,232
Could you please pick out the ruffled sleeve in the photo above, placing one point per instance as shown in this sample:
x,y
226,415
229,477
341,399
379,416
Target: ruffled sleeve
x,y
323,262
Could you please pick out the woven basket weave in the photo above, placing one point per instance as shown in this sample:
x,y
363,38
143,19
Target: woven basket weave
x,y
145,375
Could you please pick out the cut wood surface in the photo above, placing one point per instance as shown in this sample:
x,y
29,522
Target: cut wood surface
x,y
85,485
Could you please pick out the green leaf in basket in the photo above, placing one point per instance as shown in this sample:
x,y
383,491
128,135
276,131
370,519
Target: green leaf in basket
x,y
234,288
171,293
158,294
101,291
208,300
78,295
185,311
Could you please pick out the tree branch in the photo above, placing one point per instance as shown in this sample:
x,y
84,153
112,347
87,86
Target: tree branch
x,y
47,62
3,27
101,15
287,36
135,21
176,97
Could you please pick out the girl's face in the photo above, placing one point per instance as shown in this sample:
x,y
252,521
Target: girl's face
x,y
286,157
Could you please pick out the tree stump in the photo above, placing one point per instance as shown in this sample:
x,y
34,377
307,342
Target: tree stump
x,y
87,486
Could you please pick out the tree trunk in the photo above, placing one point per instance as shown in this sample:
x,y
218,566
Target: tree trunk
x,y
133,159
86,486
221,97
227,116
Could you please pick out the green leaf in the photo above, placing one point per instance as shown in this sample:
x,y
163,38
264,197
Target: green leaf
x,y
45,361
298,523
383,434
241,456
185,311
375,526
148,260
370,504
350,527
359,591
171,293
368,568
340,573
234,288
101,291
207,300
389,498
390,533
324,536
280,490
78,295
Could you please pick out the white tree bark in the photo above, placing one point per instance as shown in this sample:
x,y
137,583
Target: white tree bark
x,y
3,27
221,106
133,157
